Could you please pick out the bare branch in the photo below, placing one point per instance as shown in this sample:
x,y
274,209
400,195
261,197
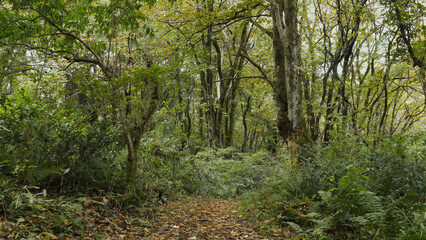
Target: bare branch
x,y
269,33
265,76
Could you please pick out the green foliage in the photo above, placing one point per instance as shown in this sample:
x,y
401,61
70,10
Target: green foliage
x,y
38,216
357,193
166,170
63,152
232,177
350,206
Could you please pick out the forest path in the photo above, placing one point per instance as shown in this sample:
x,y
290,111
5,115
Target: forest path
x,y
200,218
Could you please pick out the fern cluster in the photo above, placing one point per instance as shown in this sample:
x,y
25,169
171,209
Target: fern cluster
x,y
349,191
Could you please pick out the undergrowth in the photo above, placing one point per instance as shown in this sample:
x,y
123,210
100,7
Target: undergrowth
x,y
349,191
31,213
345,190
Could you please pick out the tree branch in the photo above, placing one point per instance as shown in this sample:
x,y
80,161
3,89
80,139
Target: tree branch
x,y
265,76
269,33
63,31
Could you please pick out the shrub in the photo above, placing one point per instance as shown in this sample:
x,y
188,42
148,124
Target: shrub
x,y
347,190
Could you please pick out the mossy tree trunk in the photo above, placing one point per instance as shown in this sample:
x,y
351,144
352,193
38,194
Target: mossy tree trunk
x,y
288,75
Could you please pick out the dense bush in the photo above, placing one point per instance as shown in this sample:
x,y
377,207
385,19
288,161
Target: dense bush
x,y
221,173
66,151
347,190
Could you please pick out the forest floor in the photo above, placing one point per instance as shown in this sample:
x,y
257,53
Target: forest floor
x,y
200,218
90,218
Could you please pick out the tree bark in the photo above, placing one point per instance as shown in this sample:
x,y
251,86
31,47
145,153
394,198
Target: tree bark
x,y
288,77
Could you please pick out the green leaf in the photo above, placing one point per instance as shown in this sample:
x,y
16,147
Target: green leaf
x,y
76,206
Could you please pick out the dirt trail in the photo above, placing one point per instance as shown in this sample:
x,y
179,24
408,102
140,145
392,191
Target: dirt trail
x,y
200,218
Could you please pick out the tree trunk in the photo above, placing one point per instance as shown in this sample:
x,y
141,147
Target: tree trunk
x,y
288,77
246,134
283,121
134,131
235,83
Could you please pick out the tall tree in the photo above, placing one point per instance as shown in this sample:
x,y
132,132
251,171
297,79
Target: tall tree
x,y
288,72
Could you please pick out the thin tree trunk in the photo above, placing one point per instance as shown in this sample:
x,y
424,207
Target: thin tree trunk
x,y
245,111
